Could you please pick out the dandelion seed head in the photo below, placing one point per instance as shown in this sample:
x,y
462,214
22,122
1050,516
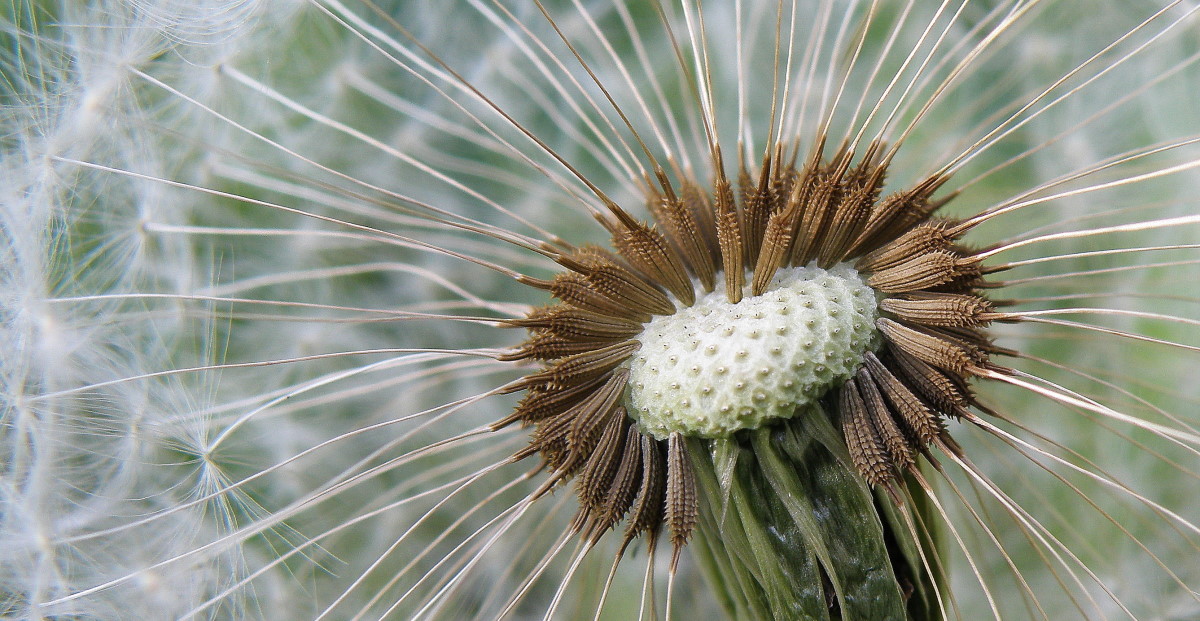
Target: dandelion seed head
x,y
757,386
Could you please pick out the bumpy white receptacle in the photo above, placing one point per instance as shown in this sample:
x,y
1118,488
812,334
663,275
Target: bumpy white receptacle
x,y
715,368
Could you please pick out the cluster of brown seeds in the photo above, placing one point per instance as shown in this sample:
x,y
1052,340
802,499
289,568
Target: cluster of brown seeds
x,y
823,212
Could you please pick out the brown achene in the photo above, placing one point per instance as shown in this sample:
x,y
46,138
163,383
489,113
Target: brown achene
x,y
823,212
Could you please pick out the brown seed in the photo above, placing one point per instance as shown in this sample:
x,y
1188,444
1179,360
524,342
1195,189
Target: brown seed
x,y
682,508
573,322
701,207
619,283
542,401
943,353
848,222
589,416
601,466
679,223
866,450
546,346
647,513
647,250
931,236
945,392
776,246
940,309
758,201
818,209
624,487
923,423
575,289
926,271
729,238
894,441
896,214
584,366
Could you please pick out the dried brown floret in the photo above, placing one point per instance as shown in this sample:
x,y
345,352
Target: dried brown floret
x,y
944,353
919,418
682,507
866,449
931,236
647,250
894,440
927,271
647,513
940,309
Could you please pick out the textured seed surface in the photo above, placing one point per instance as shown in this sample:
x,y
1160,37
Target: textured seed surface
x,y
715,368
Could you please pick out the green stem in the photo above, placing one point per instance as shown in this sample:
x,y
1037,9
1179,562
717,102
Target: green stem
x,y
788,530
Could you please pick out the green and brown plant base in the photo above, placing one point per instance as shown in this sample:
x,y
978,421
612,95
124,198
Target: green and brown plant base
x,y
791,531
788,519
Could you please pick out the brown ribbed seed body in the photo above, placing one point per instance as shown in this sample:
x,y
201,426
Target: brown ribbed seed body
x,y
932,324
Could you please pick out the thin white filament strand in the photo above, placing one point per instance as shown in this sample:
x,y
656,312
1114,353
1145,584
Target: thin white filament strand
x,y
233,408
987,593
311,162
501,589
463,516
457,485
426,244
913,81
988,214
1032,529
1096,253
876,69
1104,311
393,314
962,67
783,114
987,531
1094,272
999,133
448,407
921,536
1124,392
384,236
565,580
362,29
1062,395
1147,225
647,600
1123,489
627,160
369,140
1075,489
1113,332
516,511
633,87
241,534
1040,530
327,274
825,112
533,576
1080,126
1154,428
698,45
812,54
982,102
854,57
239,365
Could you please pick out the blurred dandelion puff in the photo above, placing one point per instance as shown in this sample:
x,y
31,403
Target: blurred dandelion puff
x,y
821,309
